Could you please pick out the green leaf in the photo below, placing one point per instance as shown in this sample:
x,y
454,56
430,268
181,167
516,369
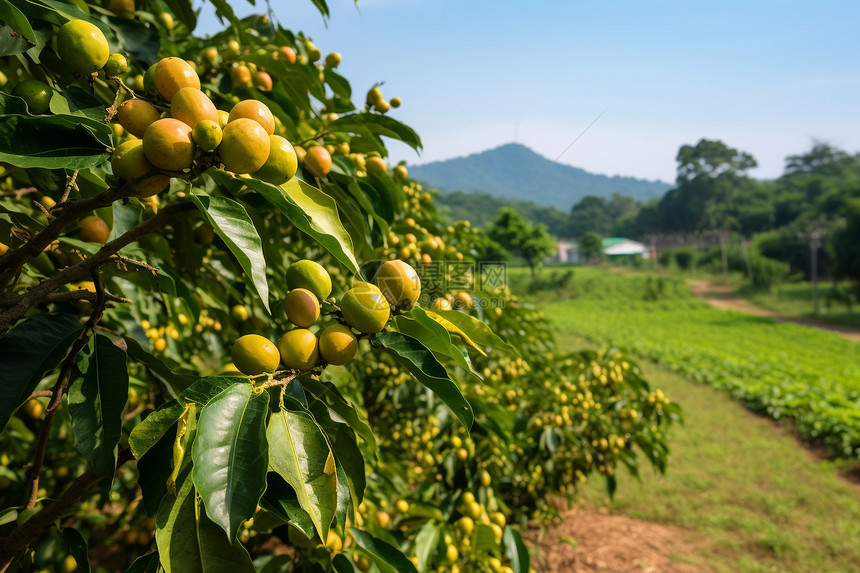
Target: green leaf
x,y
224,10
147,564
96,400
280,498
425,544
77,547
230,455
299,453
322,7
484,538
153,427
16,20
516,550
154,467
189,541
11,42
379,125
205,389
309,209
28,352
435,337
388,558
231,222
142,42
421,363
183,10
174,381
328,393
477,330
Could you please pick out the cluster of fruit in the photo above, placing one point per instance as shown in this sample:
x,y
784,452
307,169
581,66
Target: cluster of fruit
x,y
364,309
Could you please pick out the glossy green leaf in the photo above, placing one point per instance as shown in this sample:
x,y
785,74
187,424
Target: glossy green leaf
x,y
230,455
175,382
97,397
205,389
328,393
28,352
146,564
379,125
154,467
189,541
231,222
16,20
425,544
309,209
183,10
436,338
516,550
299,453
388,558
477,330
153,427
421,363
280,498
77,547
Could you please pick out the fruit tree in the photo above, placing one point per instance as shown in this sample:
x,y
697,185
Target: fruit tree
x,y
233,336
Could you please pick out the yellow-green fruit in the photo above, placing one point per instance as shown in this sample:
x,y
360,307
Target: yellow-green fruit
x,y
333,542
376,166
299,349
333,60
310,275
314,53
402,506
129,162
441,303
223,118
122,8
399,283
82,46
191,106
244,147
282,163
209,55
256,110
302,307
401,173
374,96
382,106
94,230
168,145
451,553
253,354
207,135
37,95
394,102
149,80
166,19
135,115
365,308
116,65
173,74
338,346
466,525
239,313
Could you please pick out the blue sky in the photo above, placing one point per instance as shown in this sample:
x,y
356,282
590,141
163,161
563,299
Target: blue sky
x,y
767,77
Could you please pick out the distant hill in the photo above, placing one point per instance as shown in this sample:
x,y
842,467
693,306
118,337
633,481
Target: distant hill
x,y
514,171
481,209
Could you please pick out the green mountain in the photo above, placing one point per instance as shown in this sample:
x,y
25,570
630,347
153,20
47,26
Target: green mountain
x,y
514,171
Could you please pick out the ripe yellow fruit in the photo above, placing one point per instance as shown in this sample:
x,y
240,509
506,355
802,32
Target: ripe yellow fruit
x,y
333,542
382,106
288,54
401,172
122,8
263,81
4,248
160,344
37,95
309,275
129,162
395,102
207,135
209,55
338,346
173,74
451,553
299,349
244,147
314,53
365,308
33,408
486,480
191,106
82,46
383,518
116,65
255,110
94,230
240,76
333,60
374,96
302,307
166,19
135,115
281,164
498,518
168,145
462,300
253,354
233,48
467,498
317,161
239,313
441,303
376,166
402,506
70,564
399,283
466,525
223,118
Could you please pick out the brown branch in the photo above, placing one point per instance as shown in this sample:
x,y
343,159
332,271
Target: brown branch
x,y
64,214
40,394
28,299
72,183
126,261
71,296
29,532
43,209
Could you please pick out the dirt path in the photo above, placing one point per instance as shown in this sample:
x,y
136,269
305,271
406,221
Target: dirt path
x,y
593,540
724,297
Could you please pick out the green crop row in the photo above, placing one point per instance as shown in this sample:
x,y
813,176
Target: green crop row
x,y
783,370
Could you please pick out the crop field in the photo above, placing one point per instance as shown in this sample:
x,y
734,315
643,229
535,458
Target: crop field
x,y
783,370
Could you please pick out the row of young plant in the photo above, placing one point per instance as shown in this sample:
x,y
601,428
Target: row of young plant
x,y
162,197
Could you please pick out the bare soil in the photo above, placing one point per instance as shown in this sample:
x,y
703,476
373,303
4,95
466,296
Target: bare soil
x,y
589,539
725,297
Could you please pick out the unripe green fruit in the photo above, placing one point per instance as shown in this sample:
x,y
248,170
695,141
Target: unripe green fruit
x,y
37,95
394,102
365,308
207,135
338,345
82,46
244,147
253,354
302,307
399,283
299,349
310,275
281,164
116,65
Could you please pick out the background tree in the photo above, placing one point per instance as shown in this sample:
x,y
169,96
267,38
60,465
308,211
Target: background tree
x,y
591,247
531,242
